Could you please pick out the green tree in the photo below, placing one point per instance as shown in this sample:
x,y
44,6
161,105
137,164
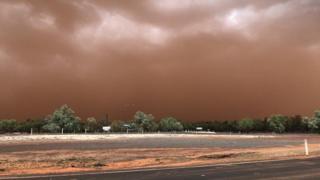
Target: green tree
x,y
246,125
305,124
314,123
260,125
91,124
276,123
117,126
188,126
63,117
145,122
295,124
229,126
24,126
8,125
35,124
170,124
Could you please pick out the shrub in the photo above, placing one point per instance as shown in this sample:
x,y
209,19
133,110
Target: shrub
x,y
314,123
305,124
188,126
35,124
230,126
295,124
246,125
117,126
260,125
91,124
8,125
276,123
145,122
63,117
170,124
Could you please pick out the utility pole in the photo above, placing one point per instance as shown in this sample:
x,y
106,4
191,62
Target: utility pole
x,y
107,120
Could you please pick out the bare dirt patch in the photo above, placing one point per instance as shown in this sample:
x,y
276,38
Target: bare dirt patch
x,y
226,155
96,159
71,161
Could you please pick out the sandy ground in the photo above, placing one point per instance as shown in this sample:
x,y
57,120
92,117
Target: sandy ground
x,y
72,160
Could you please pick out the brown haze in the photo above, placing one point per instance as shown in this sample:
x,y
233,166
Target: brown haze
x,y
196,60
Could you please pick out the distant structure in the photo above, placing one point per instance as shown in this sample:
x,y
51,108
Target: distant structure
x,y
199,128
106,128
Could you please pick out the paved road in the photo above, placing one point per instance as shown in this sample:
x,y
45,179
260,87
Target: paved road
x,y
289,169
168,142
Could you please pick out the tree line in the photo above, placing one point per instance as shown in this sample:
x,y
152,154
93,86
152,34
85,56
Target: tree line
x,y
64,119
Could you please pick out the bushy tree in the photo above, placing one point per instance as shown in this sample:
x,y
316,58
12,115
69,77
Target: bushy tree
x,y
294,124
35,124
314,123
117,126
260,125
170,124
51,127
246,125
230,126
24,126
145,122
103,122
188,126
305,124
216,126
91,124
276,123
8,125
63,117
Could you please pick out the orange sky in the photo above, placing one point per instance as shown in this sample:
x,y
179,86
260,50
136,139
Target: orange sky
x,y
195,60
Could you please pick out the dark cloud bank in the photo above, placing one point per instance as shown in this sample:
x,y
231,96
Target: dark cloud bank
x,y
196,60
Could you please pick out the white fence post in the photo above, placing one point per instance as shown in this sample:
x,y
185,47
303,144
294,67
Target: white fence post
x,y
62,131
306,148
31,131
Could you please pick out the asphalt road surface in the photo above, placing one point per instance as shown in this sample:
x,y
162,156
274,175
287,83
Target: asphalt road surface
x,y
168,142
286,169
